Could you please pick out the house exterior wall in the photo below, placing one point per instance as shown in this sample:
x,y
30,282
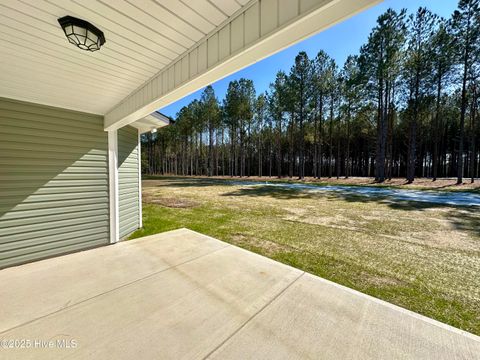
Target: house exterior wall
x,y
128,181
53,182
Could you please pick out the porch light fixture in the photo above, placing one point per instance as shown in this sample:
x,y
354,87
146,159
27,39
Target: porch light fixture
x,y
81,33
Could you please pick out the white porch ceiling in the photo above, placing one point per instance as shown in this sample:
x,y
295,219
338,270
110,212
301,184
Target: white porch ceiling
x,y
143,37
156,51
256,31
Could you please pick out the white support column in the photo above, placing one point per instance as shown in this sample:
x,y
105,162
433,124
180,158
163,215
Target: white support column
x,y
140,221
113,185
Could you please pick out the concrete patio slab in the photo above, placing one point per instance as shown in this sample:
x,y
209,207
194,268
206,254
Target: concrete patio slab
x,y
62,281
334,322
185,295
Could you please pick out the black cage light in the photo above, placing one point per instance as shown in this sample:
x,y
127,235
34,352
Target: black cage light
x,y
81,33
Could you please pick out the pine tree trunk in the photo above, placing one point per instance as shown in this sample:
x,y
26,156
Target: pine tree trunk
x,y
223,151
290,150
320,139
436,129
347,151
279,149
242,150
330,140
210,150
412,143
472,136
381,136
463,111
315,148
337,160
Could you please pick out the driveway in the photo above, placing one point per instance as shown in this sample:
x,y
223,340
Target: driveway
x,y
181,294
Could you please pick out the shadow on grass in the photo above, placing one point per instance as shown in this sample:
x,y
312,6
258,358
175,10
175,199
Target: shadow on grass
x,y
189,182
274,192
475,191
464,218
467,221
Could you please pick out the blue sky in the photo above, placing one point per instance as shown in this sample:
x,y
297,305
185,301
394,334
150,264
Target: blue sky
x,y
339,41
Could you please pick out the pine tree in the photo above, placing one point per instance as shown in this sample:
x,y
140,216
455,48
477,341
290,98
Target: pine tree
x,y
321,65
300,82
466,30
417,69
352,97
276,105
211,114
442,55
379,60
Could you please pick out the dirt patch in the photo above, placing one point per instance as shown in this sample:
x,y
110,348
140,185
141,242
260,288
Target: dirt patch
x,y
373,217
454,240
441,239
170,202
337,221
268,247
381,280
300,211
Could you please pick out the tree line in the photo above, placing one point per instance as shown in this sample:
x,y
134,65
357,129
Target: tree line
x,y
407,105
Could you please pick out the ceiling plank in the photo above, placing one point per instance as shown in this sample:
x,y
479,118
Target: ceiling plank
x,y
175,21
23,69
151,22
79,69
124,20
39,48
226,6
207,10
188,14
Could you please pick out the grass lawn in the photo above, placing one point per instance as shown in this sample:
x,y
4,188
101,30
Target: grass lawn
x,y
424,257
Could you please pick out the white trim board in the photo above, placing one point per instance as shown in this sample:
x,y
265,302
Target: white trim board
x,y
140,219
113,185
151,122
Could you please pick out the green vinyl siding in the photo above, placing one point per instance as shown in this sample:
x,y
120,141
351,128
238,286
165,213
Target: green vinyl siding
x,y
53,182
128,180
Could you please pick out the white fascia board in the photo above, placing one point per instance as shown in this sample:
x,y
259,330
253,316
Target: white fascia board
x,y
249,36
151,122
158,118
